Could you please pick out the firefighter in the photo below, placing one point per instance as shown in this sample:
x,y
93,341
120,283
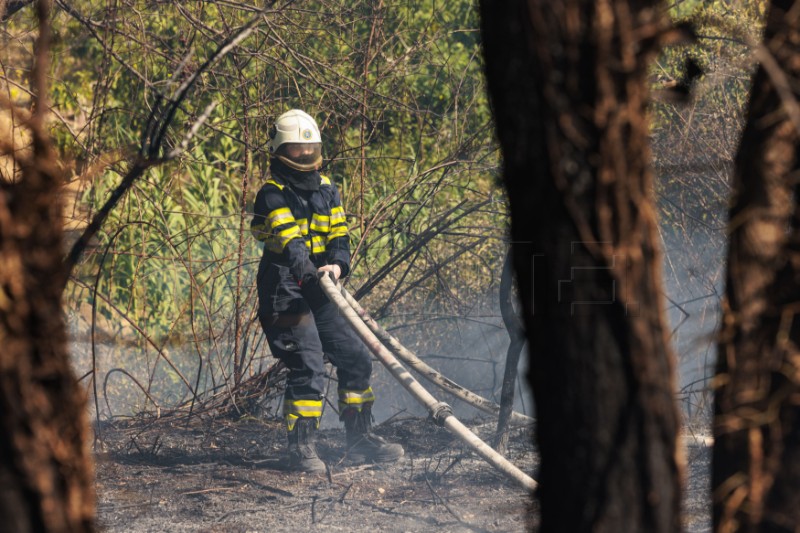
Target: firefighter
x,y
300,220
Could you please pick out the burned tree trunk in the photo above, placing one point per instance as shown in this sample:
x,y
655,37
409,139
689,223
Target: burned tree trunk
x,y
46,481
9,7
756,473
568,86
513,323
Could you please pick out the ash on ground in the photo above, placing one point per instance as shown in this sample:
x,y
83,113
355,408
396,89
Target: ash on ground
x,y
224,476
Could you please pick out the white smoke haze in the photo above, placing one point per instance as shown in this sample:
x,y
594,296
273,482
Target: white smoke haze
x,y
470,350
694,287
693,156
693,280
693,187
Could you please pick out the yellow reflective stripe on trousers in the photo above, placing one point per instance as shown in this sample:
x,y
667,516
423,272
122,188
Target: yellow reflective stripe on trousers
x,y
309,408
355,398
291,420
294,409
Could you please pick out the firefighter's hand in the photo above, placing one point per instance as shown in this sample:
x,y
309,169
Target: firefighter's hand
x,y
334,269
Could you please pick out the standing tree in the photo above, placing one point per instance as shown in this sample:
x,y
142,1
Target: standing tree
x,y
568,82
46,481
756,427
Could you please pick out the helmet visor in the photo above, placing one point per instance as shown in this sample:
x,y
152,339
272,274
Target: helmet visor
x,y
302,154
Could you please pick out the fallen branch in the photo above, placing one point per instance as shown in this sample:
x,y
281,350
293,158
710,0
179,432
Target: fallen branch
x,y
443,502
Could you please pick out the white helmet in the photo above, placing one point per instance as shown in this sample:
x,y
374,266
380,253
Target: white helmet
x,y
295,140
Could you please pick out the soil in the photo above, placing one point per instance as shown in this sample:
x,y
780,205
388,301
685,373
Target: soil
x,y
225,476
232,477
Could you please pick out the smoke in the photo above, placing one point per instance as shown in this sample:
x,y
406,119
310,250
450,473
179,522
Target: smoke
x,y
694,284
470,350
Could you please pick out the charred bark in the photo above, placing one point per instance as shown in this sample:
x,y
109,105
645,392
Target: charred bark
x,y
513,324
756,472
9,7
46,481
568,86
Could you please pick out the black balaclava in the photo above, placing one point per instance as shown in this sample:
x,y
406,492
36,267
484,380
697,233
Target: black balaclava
x,y
300,179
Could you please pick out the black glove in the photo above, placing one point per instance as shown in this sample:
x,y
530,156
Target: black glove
x,y
312,291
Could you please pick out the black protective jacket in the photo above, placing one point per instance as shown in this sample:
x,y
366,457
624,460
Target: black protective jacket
x,y
301,231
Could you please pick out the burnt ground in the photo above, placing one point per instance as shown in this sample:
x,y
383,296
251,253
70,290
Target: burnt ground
x,y
230,476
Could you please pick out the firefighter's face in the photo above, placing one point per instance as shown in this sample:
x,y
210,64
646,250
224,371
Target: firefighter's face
x,y
300,151
302,156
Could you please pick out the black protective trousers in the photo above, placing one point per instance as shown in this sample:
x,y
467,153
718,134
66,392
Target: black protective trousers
x,y
299,339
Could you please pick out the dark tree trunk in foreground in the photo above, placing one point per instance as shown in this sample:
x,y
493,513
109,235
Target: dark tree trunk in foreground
x,y
568,86
46,481
756,474
9,7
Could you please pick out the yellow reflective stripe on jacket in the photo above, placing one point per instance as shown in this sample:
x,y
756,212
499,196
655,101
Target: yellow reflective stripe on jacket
x,y
303,224
275,183
338,231
338,224
321,223
259,231
292,232
317,244
325,180
337,216
282,215
283,229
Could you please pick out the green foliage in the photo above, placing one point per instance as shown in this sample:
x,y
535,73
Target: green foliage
x,y
397,88
725,33
695,140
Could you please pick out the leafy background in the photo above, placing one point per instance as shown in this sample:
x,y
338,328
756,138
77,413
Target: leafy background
x,y
162,308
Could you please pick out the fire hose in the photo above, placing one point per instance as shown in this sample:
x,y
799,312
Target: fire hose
x,y
440,412
422,368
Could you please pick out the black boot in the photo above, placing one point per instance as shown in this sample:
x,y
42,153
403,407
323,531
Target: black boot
x,y
362,445
302,450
